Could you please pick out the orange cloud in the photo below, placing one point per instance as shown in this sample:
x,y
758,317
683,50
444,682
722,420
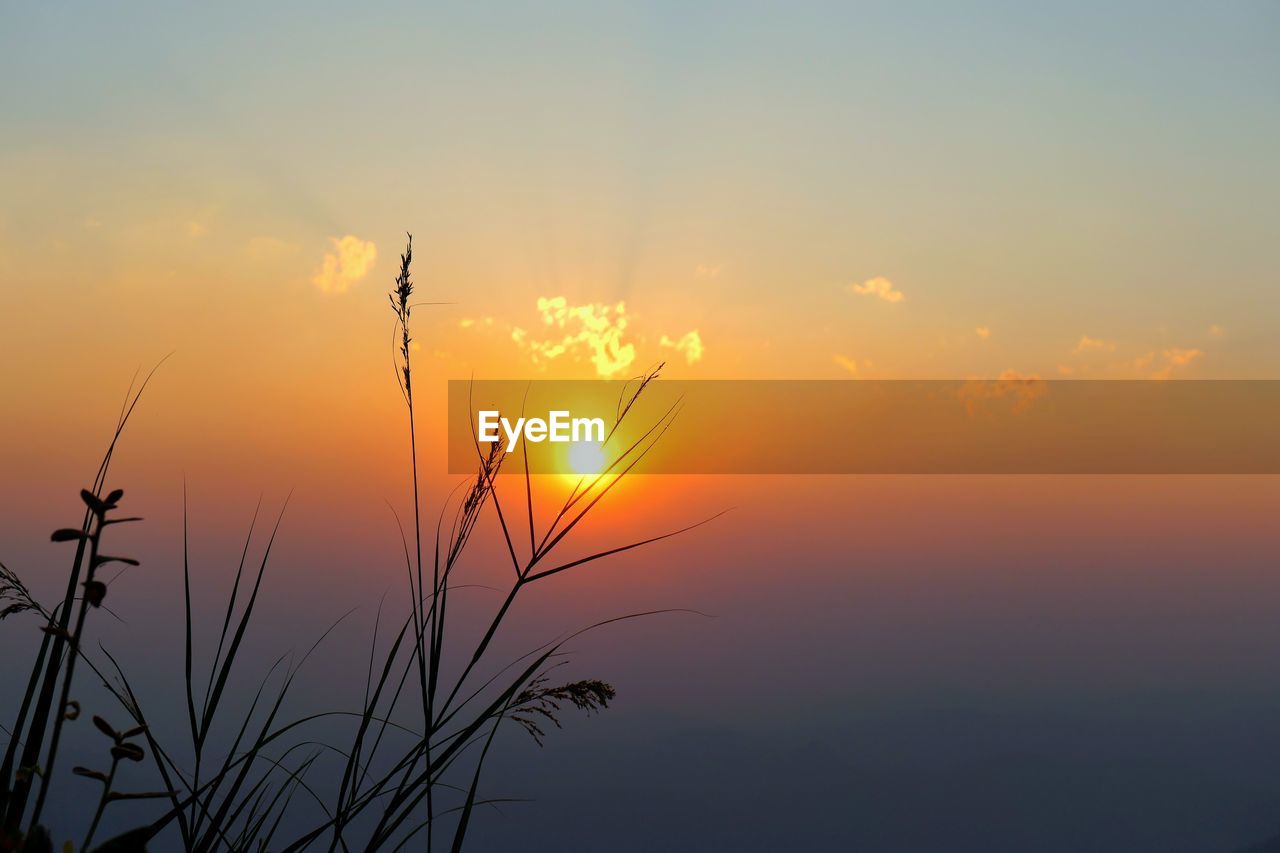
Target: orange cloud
x,y
690,343
592,330
878,286
351,260
1088,344
982,332
847,363
1175,358
1182,357
1018,389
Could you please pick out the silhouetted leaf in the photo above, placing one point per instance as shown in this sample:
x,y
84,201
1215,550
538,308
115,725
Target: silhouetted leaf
x,y
139,795
55,631
105,728
94,592
129,751
90,774
93,501
102,559
133,732
115,496
68,534
133,841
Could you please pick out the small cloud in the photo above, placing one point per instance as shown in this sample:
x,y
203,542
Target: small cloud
x,y
594,330
1142,362
1016,388
847,363
878,286
351,260
1182,357
196,229
708,271
982,332
1088,344
93,222
1216,331
1065,370
690,344
1175,358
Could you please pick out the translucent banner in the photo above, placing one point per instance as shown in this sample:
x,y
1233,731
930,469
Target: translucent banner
x,y
868,427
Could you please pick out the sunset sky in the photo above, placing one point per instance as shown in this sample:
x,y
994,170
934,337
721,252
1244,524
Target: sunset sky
x,y
803,191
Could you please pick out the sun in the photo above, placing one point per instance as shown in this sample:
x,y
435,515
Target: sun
x,y
586,458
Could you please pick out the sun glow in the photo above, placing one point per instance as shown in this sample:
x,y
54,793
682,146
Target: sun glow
x,y
586,458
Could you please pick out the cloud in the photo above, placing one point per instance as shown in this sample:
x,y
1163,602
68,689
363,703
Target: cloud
x,y
593,330
1065,370
351,260
1174,358
847,363
690,343
196,229
1182,357
707,271
603,334
1216,330
1019,390
880,287
982,332
1088,344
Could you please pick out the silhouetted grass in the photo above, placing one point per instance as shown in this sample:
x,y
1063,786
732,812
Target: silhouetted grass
x,y
409,771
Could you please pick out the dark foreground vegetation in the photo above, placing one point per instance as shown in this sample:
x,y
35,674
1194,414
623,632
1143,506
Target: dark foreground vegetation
x,y
408,770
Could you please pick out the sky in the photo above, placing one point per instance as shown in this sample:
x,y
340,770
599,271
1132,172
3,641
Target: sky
x,y
741,191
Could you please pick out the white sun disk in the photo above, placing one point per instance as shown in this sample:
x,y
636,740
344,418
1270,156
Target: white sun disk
x,y
586,458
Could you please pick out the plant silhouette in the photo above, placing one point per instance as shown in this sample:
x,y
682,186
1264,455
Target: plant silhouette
x,y
408,767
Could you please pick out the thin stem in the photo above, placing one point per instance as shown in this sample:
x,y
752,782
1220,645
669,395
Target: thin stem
x,y
427,670
40,717
102,803
73,653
